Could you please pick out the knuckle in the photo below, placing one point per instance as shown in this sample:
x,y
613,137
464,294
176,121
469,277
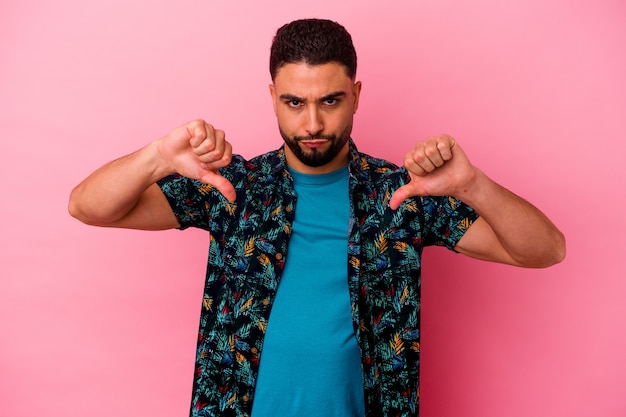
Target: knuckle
x,y
209,145
420,156
431,151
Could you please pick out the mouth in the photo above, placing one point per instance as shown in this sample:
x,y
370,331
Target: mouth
x,y
313,143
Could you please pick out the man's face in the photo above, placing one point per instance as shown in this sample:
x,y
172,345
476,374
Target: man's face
x,y
315,106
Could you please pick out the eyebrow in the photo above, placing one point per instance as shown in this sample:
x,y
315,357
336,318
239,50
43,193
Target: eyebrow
x,y
336,94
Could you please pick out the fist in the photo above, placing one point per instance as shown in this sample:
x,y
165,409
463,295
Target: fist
x,y
197,150
437,166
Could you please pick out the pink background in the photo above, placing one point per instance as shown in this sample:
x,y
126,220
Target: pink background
x,y
98,322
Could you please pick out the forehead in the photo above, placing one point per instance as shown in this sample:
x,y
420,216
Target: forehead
x,y
303,80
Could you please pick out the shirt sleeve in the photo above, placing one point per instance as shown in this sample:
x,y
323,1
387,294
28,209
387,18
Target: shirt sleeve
x,y
446,219
189,199
200,205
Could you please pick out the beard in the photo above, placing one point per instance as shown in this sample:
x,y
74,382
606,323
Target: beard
x,y
314,157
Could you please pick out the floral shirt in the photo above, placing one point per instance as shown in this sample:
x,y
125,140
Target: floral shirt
x,y
247,253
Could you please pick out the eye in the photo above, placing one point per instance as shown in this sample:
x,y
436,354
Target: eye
x,y
331,101
294,102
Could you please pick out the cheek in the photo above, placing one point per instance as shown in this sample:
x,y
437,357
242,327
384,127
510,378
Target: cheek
x,y
342,119
287,120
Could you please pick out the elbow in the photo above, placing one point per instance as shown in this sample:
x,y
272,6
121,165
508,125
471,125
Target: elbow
x,y
560,248
80,216
73,207
556,252
79,210
549,255
76,209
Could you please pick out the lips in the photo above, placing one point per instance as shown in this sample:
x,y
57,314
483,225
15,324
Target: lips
x,y
314,143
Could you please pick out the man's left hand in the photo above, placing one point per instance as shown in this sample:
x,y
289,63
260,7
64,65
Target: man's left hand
x,y
437,166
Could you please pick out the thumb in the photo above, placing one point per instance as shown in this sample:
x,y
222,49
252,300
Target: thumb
x,y
221,184
399,196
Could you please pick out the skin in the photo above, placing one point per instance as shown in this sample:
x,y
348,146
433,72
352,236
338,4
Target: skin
x,y
315,107
314,102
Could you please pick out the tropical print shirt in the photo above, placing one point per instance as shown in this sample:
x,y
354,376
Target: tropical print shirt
x,y
248,250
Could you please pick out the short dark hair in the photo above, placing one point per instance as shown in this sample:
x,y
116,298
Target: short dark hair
x,y
314,42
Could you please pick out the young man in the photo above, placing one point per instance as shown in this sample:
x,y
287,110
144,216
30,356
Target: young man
x,y
311,303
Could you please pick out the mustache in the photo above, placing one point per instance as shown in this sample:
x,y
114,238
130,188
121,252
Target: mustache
x,y
313,137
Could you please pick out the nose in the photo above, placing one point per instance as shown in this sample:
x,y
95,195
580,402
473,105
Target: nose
x,y
314,124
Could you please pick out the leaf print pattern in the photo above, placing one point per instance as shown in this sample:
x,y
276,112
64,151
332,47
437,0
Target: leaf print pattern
x,y
247,253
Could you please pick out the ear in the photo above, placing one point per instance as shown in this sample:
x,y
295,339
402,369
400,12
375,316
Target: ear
x,y
273,94
356,93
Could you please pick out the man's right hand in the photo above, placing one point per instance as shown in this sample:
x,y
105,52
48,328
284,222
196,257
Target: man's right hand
x,y
124,193
197,150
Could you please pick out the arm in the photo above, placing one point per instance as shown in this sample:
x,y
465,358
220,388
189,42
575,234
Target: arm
x,y
510,230
124,192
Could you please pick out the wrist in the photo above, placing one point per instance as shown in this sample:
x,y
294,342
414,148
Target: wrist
x,y
475,188
152,156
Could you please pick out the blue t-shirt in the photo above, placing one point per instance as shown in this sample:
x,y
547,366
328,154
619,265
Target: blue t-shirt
x,y
311,363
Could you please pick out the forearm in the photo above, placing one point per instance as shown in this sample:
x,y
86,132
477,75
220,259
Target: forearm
x,y
111,192
527,236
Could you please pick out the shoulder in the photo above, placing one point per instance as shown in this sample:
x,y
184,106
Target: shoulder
x,y
261,170
259,164
375,170
240,172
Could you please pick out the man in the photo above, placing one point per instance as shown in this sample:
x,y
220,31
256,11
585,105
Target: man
x,y
311,302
